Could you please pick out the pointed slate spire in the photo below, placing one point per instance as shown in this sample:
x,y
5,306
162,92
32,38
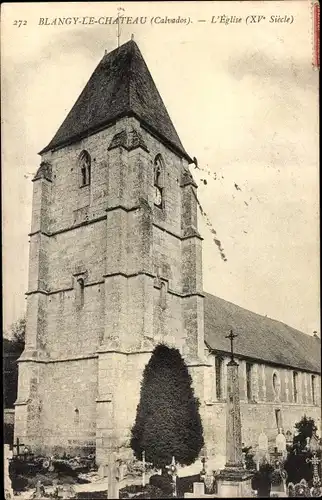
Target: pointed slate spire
x,y
120,86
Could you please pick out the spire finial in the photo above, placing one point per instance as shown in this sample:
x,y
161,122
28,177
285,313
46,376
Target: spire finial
x,y
118,25
132,36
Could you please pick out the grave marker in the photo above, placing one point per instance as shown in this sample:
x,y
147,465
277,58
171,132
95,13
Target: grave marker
x,y
233,480
172,469
198,489
7,480
263,442
113,478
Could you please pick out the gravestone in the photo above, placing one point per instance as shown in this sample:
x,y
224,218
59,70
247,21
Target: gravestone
x,y
280,443
198,489
103,471
262,450
39,493
263,442
209,481
289,437
279,477
113,478
7,481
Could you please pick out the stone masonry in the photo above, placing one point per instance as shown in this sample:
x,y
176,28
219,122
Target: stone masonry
x,y
81,369
111,275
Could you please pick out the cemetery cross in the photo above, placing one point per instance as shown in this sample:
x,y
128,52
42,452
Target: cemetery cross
x,y
231,337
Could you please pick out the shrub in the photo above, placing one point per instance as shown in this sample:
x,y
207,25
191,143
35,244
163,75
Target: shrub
x,y
167,420
249,458
163,482
305,429
152,492
296,465
262,479
8,432
131,488
185,484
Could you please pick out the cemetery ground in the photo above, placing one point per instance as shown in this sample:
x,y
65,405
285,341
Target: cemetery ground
x,y
290,471
90,485
169,456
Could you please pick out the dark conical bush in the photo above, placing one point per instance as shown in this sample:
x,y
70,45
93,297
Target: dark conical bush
x,y
167,421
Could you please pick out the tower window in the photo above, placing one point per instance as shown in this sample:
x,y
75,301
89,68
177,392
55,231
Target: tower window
x,y
249,381
84,161
313,384
219,368
80,292
76,416
158,174
295,387
163,295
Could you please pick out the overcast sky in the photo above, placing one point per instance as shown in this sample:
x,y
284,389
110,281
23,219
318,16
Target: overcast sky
x,y
244,101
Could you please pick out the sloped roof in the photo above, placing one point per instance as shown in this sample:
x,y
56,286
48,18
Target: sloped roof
x,y
259,337
121,85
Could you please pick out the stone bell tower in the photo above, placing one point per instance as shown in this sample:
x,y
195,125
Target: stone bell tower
x,y
115,262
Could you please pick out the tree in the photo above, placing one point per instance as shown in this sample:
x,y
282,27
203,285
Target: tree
x,y
296,464
13,346
167,421
18,332
305,429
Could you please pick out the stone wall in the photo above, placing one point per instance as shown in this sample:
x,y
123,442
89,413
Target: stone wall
x,y
141,281
260,414
68,393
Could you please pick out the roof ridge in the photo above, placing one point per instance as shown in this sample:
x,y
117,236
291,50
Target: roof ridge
x,y
130,73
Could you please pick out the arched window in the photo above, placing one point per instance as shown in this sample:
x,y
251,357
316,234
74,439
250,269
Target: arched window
x,y
276,385
295,387
80,292
76,416
158,175
249,388
313,383
84,162
219,377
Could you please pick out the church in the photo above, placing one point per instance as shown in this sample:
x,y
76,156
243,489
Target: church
x,y
115,268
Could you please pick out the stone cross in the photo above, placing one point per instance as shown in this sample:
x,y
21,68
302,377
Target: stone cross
x,y
172,469
276,457
315,462
234,456
17,446
118,26
231,337
203,470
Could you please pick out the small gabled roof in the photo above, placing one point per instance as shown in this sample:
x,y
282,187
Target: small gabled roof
x,y
259,337
120,86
